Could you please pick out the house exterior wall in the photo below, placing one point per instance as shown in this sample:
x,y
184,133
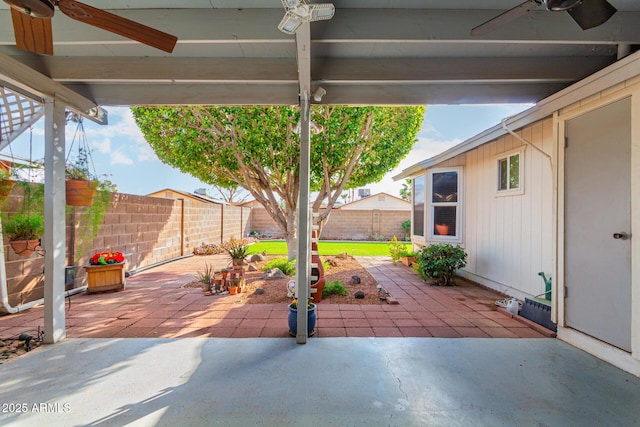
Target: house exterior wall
x,y
508,239
380,201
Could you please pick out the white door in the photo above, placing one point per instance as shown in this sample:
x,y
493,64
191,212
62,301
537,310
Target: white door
x,y
598,224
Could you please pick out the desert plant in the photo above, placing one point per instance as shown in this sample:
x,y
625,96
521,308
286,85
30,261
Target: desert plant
x,y
286,266
236,248
440,262
395,248
206,276
334,288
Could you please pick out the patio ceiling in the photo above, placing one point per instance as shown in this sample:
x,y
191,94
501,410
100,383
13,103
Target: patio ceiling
x,y
371,52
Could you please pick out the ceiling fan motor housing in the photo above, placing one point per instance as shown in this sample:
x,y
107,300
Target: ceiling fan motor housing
x,y
33,8
557,5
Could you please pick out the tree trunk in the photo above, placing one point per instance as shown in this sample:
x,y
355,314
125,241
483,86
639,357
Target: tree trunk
x,y
291,246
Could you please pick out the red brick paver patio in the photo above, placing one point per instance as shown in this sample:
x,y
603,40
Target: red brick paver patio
x,y
154,304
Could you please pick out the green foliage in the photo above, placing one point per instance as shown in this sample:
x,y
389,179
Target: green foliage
x,y
395,249
23,226
257,148
405,190
406,227
440,262
279,247
334,288
407,253
91,218
286,266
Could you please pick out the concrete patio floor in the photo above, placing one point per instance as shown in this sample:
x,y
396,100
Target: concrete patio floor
x,y
394,374
156,305
326,382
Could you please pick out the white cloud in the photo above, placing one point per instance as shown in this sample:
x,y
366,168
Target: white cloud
x,y
119,158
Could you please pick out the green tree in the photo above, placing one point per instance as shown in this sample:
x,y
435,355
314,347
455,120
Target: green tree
x,y
257,148
405,190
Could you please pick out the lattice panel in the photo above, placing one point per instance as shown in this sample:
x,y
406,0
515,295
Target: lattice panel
x,y
17,113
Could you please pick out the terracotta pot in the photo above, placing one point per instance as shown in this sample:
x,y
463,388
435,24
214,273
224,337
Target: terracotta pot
x,y
442,229
408,260
233,290
79,192
25,248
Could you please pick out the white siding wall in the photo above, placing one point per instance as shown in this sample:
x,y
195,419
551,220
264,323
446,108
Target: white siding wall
x,y
508,239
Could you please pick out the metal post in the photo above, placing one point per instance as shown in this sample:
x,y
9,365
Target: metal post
x,y
54,221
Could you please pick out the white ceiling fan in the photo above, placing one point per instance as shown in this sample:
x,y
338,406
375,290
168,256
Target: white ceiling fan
x,y
586,13
300,11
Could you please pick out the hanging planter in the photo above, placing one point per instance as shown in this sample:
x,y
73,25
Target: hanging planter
x,y
80,192
24,231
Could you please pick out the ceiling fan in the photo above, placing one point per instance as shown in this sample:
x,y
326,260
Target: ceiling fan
x,y
32,24
300,11
586,13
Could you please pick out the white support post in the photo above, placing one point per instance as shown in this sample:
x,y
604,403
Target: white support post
x,y
303,258
54,221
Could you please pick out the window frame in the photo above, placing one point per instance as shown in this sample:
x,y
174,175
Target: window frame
x,y
414,199
507,156
459,204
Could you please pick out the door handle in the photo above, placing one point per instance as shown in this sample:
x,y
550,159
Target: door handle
x,y
620,236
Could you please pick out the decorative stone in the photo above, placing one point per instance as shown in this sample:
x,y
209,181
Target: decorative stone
x,y
257,258
252,268
355,280
259,291
359,295
274,273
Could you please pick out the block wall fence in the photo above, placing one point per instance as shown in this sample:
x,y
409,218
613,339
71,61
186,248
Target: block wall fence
x,y
149,230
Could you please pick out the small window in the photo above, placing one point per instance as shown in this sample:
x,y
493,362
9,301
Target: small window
x,y
510,173
445,204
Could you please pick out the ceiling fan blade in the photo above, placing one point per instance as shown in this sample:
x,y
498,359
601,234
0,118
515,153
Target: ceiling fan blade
x,y
118,25
505,17
32,34
591,13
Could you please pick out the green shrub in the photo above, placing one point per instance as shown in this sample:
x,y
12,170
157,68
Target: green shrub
x,y
395,248
440,262
334,288
408,253
286,266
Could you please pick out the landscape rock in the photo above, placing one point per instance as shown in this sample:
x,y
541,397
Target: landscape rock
x,y
274,273
259,291
252,268
359,295
257,258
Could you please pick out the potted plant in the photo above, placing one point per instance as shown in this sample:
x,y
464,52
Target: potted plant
x,y
105,272
24,230
237,250
206,277
80,185
408,257
293,317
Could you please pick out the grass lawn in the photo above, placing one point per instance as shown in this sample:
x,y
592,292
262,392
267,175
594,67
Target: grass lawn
x,y
279,247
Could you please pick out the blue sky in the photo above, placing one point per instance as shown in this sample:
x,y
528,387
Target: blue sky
x,y
119,149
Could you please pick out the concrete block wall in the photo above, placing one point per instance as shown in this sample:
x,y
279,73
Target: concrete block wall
x,y
344,224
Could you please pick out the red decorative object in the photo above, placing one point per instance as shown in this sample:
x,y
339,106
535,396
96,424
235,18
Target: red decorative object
x,y
104,258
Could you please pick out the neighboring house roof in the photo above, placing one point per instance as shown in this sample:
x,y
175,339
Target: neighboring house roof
x,y
377,201
169,193
614,74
